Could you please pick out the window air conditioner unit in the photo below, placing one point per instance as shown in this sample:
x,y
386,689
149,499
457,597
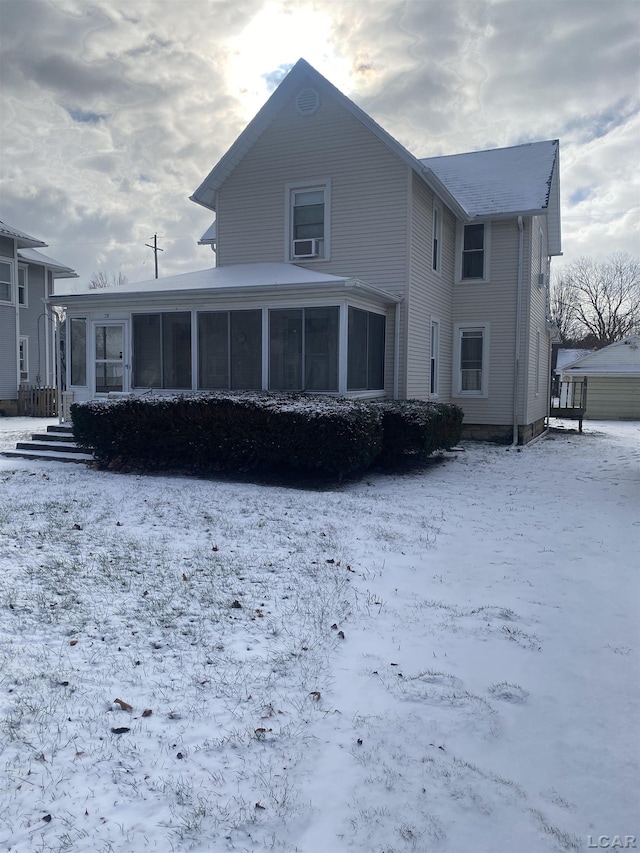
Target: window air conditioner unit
x,y
306,248
541,279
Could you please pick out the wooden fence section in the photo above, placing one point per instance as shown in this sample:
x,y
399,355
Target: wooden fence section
x,y
37,402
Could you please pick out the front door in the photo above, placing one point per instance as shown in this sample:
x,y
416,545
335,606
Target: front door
x,y
109,358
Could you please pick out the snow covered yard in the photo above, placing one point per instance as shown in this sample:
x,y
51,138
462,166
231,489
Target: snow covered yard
x,y
444,660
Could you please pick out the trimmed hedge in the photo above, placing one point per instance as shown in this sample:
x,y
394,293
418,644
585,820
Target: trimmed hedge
x,y
236,432
417,428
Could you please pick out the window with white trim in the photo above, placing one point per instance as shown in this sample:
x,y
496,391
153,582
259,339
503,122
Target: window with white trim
x,y
23,358
6,281
162,350
472,256
22,286
307,226
435,358
471,360
436,250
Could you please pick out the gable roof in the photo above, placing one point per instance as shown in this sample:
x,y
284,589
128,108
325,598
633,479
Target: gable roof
x,y
59,270
23,240
302,74
621,358
515,180
520,180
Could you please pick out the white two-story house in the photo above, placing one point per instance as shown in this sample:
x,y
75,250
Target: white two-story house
x,y
27,327
347,265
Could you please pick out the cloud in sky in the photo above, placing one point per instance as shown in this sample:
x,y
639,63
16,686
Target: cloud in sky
x,y
113,112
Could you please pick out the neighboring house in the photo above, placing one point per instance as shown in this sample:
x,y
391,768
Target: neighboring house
x,y
346,265
27,339
561,356
613,380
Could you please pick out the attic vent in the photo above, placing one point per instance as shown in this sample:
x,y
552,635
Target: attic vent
x,y
307,102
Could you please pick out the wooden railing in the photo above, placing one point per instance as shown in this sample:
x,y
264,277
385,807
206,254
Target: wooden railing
x,y
37,402
570,401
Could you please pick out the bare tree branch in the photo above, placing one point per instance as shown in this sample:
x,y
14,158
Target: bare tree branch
x,y
598,300
102,279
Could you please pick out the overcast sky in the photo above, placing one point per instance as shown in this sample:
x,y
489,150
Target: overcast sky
x,y
113,111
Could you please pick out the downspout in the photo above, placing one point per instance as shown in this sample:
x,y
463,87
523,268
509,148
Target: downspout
x,y
516,359
396,354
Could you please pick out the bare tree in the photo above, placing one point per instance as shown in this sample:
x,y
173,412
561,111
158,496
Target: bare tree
x,y
102,279
562,308
598,300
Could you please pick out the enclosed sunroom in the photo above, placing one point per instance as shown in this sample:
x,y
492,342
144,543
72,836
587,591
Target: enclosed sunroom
x,y
275,327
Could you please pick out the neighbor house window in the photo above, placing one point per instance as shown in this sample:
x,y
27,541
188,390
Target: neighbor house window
x,y
22,286
162,350
78,350
437,238
307,222
303,349
435,357
471,360
230,350
474,250
23,358
365,356
5,282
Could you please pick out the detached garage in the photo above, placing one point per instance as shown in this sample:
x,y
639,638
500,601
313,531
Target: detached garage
x,y
613,380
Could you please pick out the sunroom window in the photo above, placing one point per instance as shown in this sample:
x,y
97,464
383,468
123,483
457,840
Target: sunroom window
x,y
230,350
365,360
303,349
162,350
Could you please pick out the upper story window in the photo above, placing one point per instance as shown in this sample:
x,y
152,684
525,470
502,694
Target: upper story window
x,y
22,286
307,226
6,280
473,251
436,254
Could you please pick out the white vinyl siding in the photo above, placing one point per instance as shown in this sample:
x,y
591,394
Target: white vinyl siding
x,y
430,296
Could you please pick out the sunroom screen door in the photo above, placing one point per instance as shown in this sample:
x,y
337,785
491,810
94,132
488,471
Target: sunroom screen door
x,y
109,361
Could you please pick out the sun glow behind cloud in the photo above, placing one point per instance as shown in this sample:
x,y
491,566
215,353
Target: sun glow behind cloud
x,y
272,42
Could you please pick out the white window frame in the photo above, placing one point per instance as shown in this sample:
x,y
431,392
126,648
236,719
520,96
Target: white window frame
x,y
23,358
318,185
460,250
458,330
436,238
8,281
23,272
434,358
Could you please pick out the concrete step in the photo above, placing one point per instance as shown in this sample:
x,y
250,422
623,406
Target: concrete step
x,y
56,444
50,455
52,446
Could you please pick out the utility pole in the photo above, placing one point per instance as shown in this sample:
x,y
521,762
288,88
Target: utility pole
x,y
155,250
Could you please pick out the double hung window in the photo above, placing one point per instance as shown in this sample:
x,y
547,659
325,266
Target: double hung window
x,y
471,360
23,354
307,222
22,286
436,254
6,281
435,358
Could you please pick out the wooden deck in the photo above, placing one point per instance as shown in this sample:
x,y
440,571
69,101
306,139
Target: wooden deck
x,y
571,401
